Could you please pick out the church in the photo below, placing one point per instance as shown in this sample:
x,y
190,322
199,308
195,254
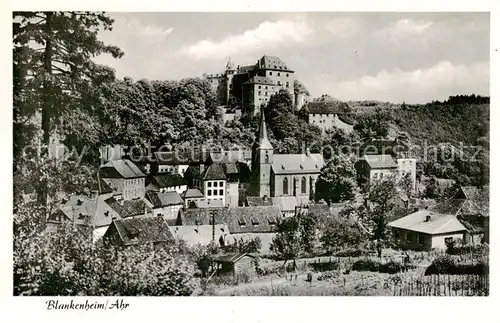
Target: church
x,y
283,175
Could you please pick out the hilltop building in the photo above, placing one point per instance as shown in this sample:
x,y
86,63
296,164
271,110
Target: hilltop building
x,y
330,114
252,85
276,175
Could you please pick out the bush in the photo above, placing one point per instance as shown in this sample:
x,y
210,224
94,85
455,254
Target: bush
x,y
447,265
390,267
454,249
324,266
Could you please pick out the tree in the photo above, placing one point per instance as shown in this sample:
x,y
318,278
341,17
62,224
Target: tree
x,y
405,184
372,125
336,182
54,74
287,242
375,217
340,233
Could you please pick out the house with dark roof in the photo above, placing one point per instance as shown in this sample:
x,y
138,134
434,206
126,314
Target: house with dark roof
x,y
166,182
124,177
329,115
202,234
370,168
166,204
474,212
139,230
235,264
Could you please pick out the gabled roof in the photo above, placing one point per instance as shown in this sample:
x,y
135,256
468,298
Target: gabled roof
x,y
100,186
167,180
335,107
127,208
438,224
246,68
272,63
285,203
164,199
379,161
124,168
477,200
214,172
297,163
78,209
238,219
143,230
260,80
191,193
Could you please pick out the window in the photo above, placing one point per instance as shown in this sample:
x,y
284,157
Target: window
x,y
266,158
279,74
209,184
270,73
303,185
286,74
209,192
448,240
215,184
266,93
215,193
266,87
279,83
287,85
285,185
260,93
221,192
260,86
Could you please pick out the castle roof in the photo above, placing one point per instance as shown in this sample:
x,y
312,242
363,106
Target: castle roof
x,y
272,63
260,80
297,163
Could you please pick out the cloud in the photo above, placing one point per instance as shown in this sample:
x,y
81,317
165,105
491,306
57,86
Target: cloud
x,y
130,26
265,36
420,85
341,27
402,29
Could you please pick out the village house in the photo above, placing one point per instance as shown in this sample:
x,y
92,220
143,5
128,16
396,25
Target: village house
x,y
121,208
430,228
193,235
329,115
235,264
212,182
474,213
124,177
371,168
166,204
140,230
276,175
166,183
191,197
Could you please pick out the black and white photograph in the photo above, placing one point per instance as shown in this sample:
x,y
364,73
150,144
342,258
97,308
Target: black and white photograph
x,y
250,154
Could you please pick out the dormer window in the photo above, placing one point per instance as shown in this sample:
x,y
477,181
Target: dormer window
x,y
242,222
106,213
79,202
255,221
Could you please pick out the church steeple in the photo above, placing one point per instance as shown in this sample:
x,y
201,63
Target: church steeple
x,y
263,141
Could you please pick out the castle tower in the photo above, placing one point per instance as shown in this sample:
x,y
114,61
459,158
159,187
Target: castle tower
x,y
229,73
262,159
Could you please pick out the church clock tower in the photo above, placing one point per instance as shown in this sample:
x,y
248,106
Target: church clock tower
x,y
262,159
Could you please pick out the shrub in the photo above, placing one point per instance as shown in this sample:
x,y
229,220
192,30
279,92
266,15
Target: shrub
x,y
366,265
447,265
324,266
351,252
454,249
390,267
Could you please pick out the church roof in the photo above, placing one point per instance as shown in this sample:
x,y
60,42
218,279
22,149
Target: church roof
x,y
297,163
263,142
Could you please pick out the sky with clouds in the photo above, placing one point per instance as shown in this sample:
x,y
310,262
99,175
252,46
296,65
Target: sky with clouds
x,y
396,57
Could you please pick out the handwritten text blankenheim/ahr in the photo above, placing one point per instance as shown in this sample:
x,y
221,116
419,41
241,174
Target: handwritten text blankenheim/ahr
x,y
118,304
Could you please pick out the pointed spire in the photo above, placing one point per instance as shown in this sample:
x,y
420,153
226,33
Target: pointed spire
x,y
230,65
263,141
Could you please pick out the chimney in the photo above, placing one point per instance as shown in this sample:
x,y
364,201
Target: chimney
x,y
308,152
427,218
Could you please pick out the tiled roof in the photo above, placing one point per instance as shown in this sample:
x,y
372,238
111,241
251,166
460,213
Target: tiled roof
x,y
379,161
246,68
260,80
297,163
209,203
164,199
200,234
477,200
285,203
213,172
230,156
451,206
143,230
259,201
272,63
231,168
439,223
79,209
238,219
123,167
167,180
191,193
127,208
328,107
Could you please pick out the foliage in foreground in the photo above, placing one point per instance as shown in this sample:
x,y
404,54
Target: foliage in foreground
x,y
448,265
66,262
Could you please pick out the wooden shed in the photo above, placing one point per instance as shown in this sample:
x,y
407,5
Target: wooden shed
x,y
235,263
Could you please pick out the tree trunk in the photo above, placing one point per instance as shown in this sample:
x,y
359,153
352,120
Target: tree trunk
x,y
47,102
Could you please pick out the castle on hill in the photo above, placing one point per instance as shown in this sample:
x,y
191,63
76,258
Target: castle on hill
x,y
253,85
